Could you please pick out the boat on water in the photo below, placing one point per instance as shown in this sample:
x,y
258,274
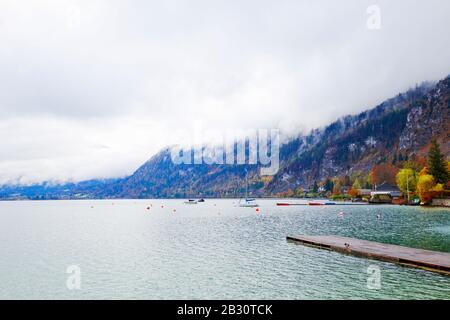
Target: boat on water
x,y
250,203
311,203
247,202
191,201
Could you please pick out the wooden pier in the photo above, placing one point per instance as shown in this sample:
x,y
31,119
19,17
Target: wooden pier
x,y
419,258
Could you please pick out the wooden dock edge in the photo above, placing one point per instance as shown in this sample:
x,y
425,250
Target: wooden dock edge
x,y
357,253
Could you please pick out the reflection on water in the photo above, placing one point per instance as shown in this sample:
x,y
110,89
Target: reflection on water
x,y
209,250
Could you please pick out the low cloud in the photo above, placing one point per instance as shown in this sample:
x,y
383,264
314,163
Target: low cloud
x,y
92,89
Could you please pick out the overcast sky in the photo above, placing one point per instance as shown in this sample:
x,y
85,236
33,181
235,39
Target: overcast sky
x,y
92,89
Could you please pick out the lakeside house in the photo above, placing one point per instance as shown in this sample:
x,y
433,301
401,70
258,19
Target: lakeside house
x,y
386,188
385,193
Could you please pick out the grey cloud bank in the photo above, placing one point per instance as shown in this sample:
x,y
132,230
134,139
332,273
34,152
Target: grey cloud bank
x,y
94,88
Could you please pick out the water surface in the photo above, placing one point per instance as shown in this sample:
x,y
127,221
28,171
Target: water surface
x,y
212,250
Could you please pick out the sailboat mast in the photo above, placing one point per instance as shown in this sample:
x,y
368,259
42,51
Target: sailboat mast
x,y
246,185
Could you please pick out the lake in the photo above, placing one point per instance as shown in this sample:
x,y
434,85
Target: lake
x,y
212,250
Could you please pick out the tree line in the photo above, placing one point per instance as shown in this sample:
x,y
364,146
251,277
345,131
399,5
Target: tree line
x,y
423,177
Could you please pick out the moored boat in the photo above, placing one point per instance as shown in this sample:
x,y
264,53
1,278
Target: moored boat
x,y
290,204
311,203
247,202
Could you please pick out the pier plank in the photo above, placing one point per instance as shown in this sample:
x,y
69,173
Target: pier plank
x,y
426,259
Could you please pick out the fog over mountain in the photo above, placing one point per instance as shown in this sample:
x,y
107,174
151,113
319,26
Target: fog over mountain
x,y
92,89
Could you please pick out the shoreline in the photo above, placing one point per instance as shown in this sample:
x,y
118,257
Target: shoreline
x,y
285,201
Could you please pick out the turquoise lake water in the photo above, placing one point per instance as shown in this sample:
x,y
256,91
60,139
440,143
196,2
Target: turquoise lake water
x,y
212,250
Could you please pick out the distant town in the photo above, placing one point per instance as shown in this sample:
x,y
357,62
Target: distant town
x,y
421,180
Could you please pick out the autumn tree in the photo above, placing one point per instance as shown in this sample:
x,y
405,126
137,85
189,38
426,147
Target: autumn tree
x,y
357,184
415,165
384,172
337,187
424,171
362,180
367,181
289,193
354,193
300,192
407,180
439,187
437,164
424,185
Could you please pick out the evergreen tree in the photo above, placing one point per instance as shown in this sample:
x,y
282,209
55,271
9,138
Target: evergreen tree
x,y
315,187
394,159
437,164
328,185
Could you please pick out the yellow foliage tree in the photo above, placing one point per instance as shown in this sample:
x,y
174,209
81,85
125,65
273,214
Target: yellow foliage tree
x,y
357,184
439,187
299,192
424,186
266,179
424,171
406,180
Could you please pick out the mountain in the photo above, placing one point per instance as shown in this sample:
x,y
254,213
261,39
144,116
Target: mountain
x,y
52,191
400,127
